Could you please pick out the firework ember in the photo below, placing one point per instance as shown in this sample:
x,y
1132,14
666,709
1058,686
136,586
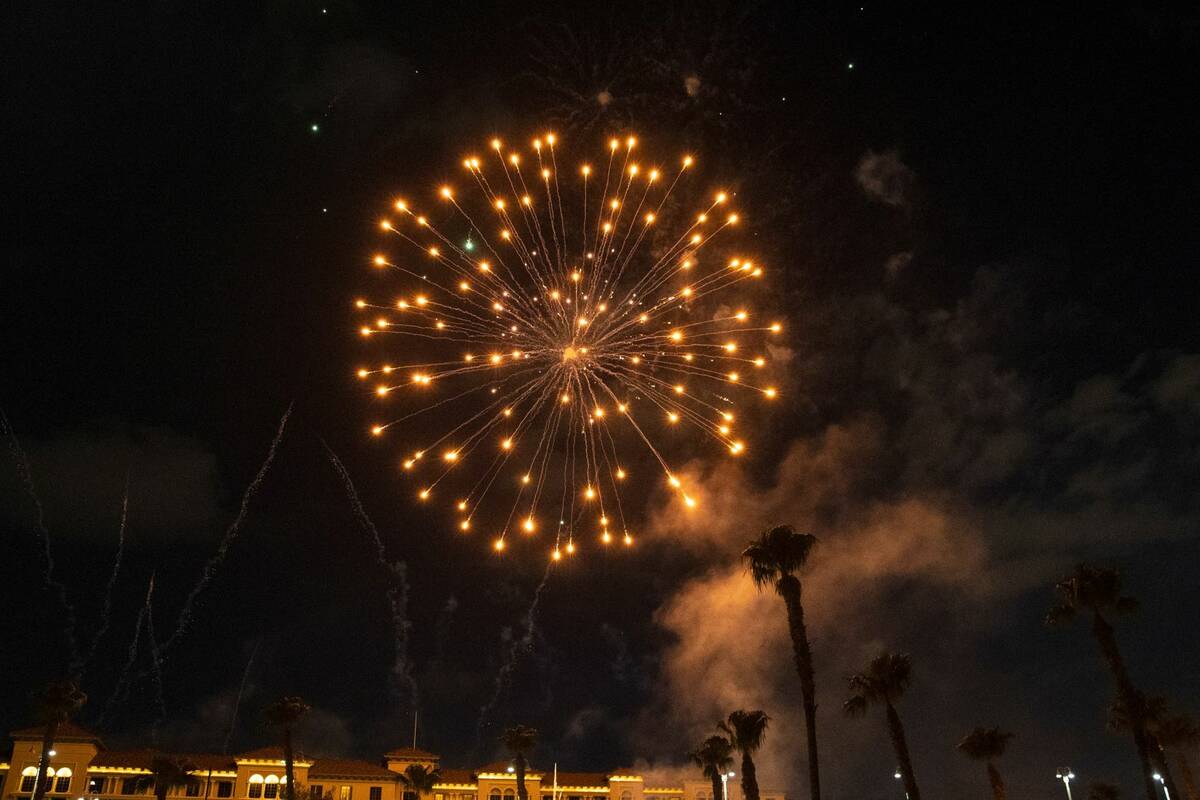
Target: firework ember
x,y
548,323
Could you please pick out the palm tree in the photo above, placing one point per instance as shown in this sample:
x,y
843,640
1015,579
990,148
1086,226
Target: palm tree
x,y
167,773
987,744
519,740
1178,734
1148,711
746,730
1097,591
53,706
419,779
284,714
883,683
1103,791
776,557
714,757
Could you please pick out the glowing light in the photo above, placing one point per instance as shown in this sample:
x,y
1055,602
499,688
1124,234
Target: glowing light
x,y
536,349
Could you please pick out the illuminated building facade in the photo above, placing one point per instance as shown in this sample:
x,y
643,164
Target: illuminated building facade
x,y
83,769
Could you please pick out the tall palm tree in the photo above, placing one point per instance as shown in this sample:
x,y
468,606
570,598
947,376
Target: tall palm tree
x,y
1148,711
1178,735
776,557
1097,591
284,714
714,757
986,745
53,706
519,740
746,730
419,779
167,773
883,683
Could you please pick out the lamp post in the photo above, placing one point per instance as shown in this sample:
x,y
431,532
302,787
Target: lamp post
x,y
725,776
898,777
1159,778
1065,775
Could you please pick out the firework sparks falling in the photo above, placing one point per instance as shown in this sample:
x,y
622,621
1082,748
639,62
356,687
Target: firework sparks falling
x,y
581,320
106,605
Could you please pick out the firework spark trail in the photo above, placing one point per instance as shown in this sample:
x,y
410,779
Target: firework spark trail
x,y
397,594
52,584
231,533
155,664
237,702
106,607
518,646
123,680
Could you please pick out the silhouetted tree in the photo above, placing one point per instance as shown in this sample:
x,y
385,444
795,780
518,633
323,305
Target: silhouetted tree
x,y
1097,591
746,730
883,683
284,714
986,745
714,757
775,558
420,779
1178,735
519,740
53,706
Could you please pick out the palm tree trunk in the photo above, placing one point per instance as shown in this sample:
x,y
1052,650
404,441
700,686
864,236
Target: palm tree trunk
x,y
39,787
749,777
789,589
900,744
521,791
288,772
1127,693
998,792
718,793
160,792
1189,780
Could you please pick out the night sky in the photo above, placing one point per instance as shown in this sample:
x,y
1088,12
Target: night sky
x,y
981,228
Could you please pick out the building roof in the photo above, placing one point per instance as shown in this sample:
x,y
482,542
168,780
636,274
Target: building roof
x,y
577,779
412,753
272,753
140,759
66,731
348,767
458,776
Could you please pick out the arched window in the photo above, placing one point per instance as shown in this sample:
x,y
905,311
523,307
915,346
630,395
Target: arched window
x,y
62,781
626,795
255,789
271,787
28,778
509,793
494,794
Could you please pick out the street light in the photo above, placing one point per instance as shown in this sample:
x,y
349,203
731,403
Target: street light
x,y
1065,775
899,776
1166,791
725,776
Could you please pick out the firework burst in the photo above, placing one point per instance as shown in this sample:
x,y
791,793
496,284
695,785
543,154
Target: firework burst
x,y
548,324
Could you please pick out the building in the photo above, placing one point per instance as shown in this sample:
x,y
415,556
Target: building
x,y
81,768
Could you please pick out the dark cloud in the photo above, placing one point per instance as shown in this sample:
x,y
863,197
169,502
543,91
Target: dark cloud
x,y
174,486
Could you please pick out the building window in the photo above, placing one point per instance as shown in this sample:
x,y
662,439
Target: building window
x,y
510,793
344,793
192,789
255,787
316,791
225,789
626,795
62,781
128,785
376,793
28,778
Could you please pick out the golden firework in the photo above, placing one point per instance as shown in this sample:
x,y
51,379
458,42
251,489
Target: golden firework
x,y
554,320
